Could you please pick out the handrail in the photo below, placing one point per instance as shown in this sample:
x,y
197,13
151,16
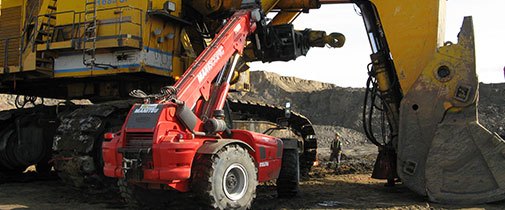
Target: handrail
x,y
75,32
121,20
78,21
12,37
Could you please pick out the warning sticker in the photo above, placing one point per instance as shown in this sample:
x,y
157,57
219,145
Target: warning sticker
x,y
144,116
264,164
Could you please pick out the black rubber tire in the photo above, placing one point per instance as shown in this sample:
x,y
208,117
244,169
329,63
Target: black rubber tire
x,y
44,168
7,175
37,126
309,155
289,177
208,175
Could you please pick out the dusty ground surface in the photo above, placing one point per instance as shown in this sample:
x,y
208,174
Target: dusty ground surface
x,y
324,190
349,187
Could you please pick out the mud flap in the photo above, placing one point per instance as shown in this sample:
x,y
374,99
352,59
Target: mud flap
x,y
443,151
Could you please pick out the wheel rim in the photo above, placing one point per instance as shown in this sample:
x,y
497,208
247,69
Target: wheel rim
x,y
235,181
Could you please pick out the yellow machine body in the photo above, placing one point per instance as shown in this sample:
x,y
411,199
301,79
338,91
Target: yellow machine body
x,y
405,35
442,150
123,24
10,30
45,40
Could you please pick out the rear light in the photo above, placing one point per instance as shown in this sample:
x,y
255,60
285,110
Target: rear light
x,y
109,136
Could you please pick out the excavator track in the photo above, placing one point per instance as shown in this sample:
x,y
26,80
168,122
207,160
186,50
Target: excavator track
x,y
297,122
77,143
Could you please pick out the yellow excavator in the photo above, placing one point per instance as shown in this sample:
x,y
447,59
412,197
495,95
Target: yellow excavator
x,y
101,50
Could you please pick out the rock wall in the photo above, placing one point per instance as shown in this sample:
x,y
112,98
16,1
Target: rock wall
x,y
322,103
330,105
335,109
492,107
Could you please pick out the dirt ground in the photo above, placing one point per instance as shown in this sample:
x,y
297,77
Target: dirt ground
x,y
324,191
349,188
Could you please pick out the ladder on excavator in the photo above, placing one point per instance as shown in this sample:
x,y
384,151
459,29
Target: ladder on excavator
x,y
29,32
47,26
90,34
39,31
30,20
42,32
45,61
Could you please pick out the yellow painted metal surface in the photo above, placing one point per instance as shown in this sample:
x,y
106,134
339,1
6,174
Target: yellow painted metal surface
x,y
55,45
94,72
268,5
213,7
178,67
285,17
28,64
10,26
298,4
414,30
11,3
128,19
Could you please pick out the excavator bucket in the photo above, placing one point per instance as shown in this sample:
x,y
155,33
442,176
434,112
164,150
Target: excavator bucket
x,y
443,151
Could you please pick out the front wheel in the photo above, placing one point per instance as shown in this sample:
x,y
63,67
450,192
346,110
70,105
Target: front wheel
x,y
225,180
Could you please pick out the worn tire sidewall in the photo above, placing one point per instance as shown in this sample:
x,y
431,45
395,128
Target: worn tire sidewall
x,y
227,157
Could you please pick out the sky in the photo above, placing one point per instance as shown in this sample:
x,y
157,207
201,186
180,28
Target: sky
x,y
346,66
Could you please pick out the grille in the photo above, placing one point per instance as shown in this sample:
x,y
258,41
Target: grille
x,y
138,147
139,140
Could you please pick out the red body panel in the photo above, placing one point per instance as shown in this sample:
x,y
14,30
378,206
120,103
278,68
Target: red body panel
x,y
267,153
197,80
174,149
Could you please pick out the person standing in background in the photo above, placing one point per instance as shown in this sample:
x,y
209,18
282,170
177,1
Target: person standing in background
x,y
336,149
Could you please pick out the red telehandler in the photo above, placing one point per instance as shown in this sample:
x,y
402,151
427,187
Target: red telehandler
x,y
179,139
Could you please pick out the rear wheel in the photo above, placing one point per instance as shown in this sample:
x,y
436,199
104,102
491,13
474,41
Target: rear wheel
x,y
25,140
289,177
44,168
226,180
